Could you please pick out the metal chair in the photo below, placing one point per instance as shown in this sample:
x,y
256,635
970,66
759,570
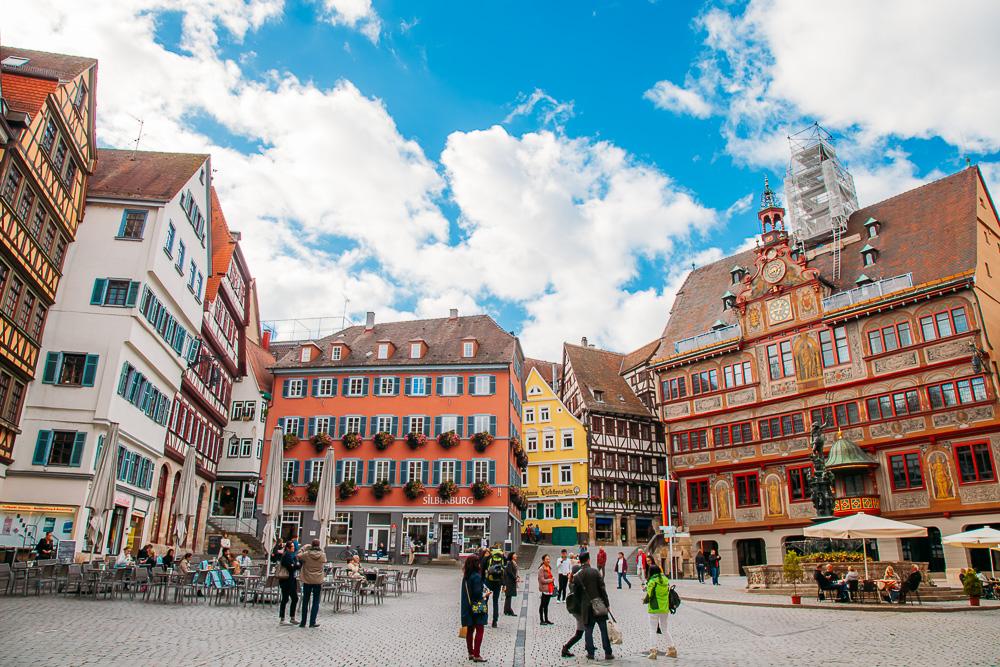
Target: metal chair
x,y
73,581
46,578
6,578
350,590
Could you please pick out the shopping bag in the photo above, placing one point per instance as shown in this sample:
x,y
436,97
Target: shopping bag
x,y
462,631
614,634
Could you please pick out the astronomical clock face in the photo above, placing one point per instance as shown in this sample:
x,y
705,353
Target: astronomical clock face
x,y
774,271
779,310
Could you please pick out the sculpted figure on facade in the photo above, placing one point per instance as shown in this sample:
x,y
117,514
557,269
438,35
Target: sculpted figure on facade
x,y
941,477
722,509
773,497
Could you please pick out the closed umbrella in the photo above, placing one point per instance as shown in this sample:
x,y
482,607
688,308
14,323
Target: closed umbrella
x,y
863,525
101,498
975,539
326,502
186,502
274,489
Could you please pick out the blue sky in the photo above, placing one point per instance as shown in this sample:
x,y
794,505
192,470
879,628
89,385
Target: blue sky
x,y
559,165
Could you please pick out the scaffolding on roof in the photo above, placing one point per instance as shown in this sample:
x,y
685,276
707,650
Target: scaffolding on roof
x,y
819,191
305,328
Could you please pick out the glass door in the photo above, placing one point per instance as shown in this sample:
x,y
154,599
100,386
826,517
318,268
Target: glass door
x,y
378,539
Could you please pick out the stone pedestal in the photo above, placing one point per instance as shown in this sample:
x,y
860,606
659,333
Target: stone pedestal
x,y
591,529
630,530
618,530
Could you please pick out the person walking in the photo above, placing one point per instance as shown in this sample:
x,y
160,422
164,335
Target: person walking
x,y
563,567
641,563
538,534
699,563
621,567
313,558
510,581
658,611
573,607
713,566
410,554
493,574
545,589
602,560
589,588
288,565
474,610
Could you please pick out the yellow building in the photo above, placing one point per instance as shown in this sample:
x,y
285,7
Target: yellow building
x,y
555,482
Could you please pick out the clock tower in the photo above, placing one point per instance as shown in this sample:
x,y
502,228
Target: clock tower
x,y
771,217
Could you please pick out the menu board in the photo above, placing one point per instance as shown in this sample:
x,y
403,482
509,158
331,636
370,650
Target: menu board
x,y
65,550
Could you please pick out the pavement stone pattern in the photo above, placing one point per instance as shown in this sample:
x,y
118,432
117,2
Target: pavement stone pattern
x,y
421,629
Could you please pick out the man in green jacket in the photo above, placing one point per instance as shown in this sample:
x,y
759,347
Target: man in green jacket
x,y
658,610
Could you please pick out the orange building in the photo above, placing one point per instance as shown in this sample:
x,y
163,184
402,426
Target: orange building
x,y
424,418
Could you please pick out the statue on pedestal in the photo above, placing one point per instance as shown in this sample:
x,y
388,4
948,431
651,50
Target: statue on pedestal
x,y
821,481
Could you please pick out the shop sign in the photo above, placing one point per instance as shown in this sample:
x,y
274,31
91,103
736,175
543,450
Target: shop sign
x,y
438,500
547,491
123,499
41,509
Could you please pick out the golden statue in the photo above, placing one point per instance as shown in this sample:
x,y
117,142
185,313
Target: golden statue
x,y
773,497
807,363
722,502
943,489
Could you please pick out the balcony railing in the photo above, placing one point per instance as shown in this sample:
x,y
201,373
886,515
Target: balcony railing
x,y
874,290
854,504
707,338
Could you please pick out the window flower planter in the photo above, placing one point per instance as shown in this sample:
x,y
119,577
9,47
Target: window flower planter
x,y
351,440
413,489
289,440
381,488
416,440
481,490
312,491
447,490
448,439
346,489
287,490
383,439
321,441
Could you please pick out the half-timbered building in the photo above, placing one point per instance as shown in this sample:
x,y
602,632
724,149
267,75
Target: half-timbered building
x,y
625,445
886,327
46,156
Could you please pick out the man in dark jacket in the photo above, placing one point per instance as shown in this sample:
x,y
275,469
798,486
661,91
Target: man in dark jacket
x,y
589,587
510,580
700,563
911,584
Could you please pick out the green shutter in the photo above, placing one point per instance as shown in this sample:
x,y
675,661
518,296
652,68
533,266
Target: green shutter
x,y
42,446
52,362
79,442
576,511
558,510
133,293
90,370
97,295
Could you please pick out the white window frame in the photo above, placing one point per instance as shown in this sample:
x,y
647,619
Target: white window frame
x,y
531,441
548,511
532,511
450,465
323,425
383,350
287,470
449,385
296,388
289,421
567,509
565,473
386,384
524,477
260,449
353,425
415,470
418,419
335,352
233,451
383,421
382,469
350,469
449,423
340,519
468,349
305,354
548,441
351,386
415,350
246,447
567,433
544,414
481,423
543,472
480,471
529,415
481,384
325,387
317,470
423,385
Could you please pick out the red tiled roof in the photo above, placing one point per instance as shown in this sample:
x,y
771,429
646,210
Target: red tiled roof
x,y
42,64
442,335
124,174
223,247
544,369
636,357
260,361
598,370
929,231
25,93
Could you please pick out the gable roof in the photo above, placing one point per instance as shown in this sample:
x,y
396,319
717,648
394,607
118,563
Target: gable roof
x,y
26,86
223,247
24,93
442,335
544,369
597,370
929,231
260,361
640,356
142,175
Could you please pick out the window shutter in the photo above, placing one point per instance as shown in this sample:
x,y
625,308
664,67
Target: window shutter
x,y
407,386
493,425
406,425
493,472
100,448
90,370
284,388
424,470
281,424
302,424
315,387
493,384
333,387
312,426
295,472
97,295
343,426
364,386
471,425
361,431
395,386
461,381
133,293
440,386
576,512
437,473
359,472
373,426
340,472
404,471
395,426
42,446
469,465
437,428
308,476
392,473
371,472
472,385
558,510
53,360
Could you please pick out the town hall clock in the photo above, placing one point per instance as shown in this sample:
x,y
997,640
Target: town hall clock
x,y
774,271
779,310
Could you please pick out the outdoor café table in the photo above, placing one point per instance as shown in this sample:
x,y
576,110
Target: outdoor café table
x,y
160,580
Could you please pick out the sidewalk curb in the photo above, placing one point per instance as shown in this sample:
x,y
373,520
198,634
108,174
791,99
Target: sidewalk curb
x,y
893,608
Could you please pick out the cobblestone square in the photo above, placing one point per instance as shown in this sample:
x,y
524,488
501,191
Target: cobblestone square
x,y
420,629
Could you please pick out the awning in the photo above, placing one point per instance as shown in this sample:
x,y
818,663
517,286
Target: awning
x,y
473,516
429,517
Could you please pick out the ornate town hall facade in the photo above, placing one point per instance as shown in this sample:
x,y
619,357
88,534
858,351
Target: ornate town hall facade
x,y
884,323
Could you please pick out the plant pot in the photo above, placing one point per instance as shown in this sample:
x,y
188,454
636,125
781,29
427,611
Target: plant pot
x,y
973,602
796,599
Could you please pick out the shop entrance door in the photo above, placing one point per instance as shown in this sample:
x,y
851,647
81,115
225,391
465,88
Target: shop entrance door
x,y
750,552
378,536
117,530
447,536
135,532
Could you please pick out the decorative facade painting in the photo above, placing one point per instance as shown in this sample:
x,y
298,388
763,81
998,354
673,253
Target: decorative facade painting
x,y
944,488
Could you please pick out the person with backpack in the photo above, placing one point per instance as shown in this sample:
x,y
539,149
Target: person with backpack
x,y
493,574
657,601
621,567
546,588
473,608
312,559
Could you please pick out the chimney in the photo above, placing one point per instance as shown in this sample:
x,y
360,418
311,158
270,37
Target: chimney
x,y
369,321
583,342
453,314
265,340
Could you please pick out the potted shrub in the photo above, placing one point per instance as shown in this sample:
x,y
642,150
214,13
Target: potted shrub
x,y
383,439
793,574
448,439
413,489
346,489
416,440
321,441
518,499
972,586
480,490
287,490
312,490
482,440
351,440
289,440
381,488
447,489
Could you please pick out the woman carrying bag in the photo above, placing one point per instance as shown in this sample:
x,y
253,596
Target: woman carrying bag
x,y
288,565
546,587
474,610
658,610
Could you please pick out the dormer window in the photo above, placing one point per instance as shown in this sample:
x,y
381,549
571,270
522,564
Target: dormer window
x,y
383,350
863,280
416,350
719,324
873,226
737,272
869,255
335,352
305,354
598,395
469,348
728,300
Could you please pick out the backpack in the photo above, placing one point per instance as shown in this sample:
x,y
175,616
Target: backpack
x,y
674,600
495,571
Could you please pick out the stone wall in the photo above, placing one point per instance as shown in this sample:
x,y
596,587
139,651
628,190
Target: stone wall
x,y
761,577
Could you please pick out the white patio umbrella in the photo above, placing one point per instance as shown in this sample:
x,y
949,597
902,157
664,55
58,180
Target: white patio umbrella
x,y
101,497
980,538
186,502
863,525
326,501
274,489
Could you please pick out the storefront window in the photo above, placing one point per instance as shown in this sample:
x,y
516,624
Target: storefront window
x,y
604,529
225,501
474,532
417,528
340,530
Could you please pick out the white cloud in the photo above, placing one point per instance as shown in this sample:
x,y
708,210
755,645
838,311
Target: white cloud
x,y
355,14
671,97
553,112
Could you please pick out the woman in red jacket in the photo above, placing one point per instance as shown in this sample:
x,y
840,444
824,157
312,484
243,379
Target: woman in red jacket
x,y
546,589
